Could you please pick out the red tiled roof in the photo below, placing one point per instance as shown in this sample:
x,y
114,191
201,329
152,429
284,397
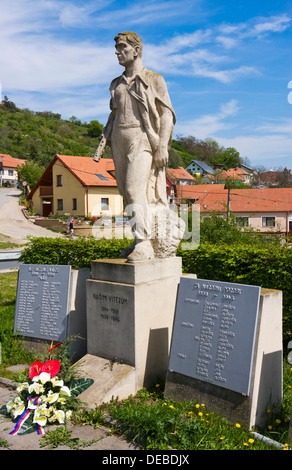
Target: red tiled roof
x,y
214,197
11,162
179,173
233,173
86,170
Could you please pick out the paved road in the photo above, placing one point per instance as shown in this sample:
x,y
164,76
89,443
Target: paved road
x,y
13,223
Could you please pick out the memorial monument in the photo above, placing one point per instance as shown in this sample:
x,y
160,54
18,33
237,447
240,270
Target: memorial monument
x,y
131,300
139,130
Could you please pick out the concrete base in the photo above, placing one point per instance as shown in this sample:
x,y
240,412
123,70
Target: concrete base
x,y
111,380
266,379
130,312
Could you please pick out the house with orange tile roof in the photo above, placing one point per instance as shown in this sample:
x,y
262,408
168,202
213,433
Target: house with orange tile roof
x,y
179,176
79,186
8,171
263,209
236,175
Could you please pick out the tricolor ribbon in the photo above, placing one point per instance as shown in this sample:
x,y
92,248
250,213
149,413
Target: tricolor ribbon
x,y
20,422
40,430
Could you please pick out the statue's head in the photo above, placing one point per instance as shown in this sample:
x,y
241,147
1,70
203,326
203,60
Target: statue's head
x,y
131,38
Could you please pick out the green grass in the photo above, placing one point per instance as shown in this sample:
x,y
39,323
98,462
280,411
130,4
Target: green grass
x,y
156,423
6,244
12,350
149,419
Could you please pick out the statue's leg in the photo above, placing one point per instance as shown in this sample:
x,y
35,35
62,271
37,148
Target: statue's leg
x,y
139,161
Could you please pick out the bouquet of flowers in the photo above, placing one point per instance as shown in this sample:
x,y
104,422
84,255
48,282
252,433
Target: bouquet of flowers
x,y
43,399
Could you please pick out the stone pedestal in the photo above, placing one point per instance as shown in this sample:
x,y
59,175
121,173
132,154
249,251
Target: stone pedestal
x,y
130,312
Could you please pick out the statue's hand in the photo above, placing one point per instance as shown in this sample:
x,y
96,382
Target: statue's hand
x,y
161,156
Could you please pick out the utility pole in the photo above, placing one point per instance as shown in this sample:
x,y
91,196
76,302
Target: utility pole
x,y
1,170
228,201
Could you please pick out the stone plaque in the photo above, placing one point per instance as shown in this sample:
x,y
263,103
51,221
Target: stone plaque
x,y
42,301
214,332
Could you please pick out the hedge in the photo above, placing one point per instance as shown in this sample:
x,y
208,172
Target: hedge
x,y
265,266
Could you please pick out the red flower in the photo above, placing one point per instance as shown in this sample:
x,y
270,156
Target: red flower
x,y
51,367
35,369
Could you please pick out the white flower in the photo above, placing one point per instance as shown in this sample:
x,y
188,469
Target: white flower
x,y
44,377
52,397
36,388
10,405
58,415
57,382
68,414
65,390
39,418
21,387
18,410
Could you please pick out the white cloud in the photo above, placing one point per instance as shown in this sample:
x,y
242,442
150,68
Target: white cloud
x,y
208,125
262,148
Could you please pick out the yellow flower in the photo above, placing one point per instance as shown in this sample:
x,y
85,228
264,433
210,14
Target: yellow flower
x,y
221,438
278,421
270,427
171,406
251,441
200,413
245,444
268,411
197,406
190,413
157,385
237,425
202,404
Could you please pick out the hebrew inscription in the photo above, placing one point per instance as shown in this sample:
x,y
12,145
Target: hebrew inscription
x,y
42,301
214,332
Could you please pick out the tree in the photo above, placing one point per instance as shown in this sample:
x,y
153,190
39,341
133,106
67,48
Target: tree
x,y
30,172
9,105
94,129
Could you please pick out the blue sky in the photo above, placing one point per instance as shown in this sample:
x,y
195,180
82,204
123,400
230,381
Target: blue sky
x,y
227,64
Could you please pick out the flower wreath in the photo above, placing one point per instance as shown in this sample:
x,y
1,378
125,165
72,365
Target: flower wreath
x,y
43,399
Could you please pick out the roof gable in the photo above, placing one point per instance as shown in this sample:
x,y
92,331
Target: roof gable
x,y
89,172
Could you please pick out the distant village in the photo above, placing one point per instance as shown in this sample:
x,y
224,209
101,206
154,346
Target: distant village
x,y
81,187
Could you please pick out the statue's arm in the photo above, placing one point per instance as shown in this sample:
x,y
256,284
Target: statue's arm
x,y
104,138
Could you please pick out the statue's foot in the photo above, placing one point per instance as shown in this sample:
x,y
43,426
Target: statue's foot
x,y
142,252
127,251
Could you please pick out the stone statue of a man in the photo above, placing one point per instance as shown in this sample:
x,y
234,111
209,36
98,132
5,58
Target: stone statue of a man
x,y
139,130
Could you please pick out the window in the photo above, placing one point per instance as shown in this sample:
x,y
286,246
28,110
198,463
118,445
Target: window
x,y
104,204
268,221
242,221
101,177
60,204
1,172
10,172
59,180
74,204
